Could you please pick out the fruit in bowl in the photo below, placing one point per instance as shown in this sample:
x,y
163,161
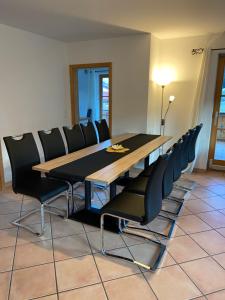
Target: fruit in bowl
x,y
117,147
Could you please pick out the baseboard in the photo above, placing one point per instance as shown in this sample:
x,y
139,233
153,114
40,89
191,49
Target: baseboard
x,y
197,170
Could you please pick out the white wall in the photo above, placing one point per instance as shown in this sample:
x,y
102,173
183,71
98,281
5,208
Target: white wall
x,y
32,84
130,71
175,53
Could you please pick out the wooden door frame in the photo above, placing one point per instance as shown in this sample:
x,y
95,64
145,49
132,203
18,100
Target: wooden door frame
x,y
216,107
74,90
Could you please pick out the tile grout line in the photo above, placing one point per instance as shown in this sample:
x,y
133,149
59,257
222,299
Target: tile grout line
x,y
95,262
12,270
142,273
53,253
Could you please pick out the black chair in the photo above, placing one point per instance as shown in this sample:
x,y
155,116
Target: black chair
x,y
53,147
89,133
52,143
74,138
184,183
138,186
103,130
23,155
139,209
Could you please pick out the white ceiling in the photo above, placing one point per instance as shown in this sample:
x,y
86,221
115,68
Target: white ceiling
x,y
71,20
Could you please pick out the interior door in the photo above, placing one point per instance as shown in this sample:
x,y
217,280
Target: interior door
x,y
217,143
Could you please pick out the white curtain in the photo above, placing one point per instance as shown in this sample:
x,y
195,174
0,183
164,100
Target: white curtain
x,y
201,96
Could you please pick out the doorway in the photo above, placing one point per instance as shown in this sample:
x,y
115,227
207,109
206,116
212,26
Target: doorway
x,y
91,93
217,142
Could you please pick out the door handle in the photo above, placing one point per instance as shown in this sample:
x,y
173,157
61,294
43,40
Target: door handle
x,y
216,118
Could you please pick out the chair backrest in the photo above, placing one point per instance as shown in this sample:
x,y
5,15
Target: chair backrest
x,y
52,143
167,184
177,161
89,133
153,193
23,154
185,149
103,130
74,138
191,154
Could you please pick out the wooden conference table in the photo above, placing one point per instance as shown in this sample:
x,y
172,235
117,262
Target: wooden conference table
x,y
102,173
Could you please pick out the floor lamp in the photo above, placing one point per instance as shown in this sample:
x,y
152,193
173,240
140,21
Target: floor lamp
x,y
163,77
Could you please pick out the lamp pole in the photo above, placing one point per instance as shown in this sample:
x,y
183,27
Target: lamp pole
x,y
161,119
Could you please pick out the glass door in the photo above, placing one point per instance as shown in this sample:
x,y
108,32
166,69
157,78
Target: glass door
x,y
104,97
217,144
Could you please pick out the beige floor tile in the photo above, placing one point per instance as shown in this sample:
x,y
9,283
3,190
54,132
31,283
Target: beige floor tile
x,y
25,236
35,218
89,228
167,261
183,249
129,288
216,202
163,281
220,258
62,228
222,211
216,296
112,240
177,231
202,193
76,272
10,207
135,240
198,206
145,253
160,225
30,203
8,237
6,258
71,246
206,274
33,254
214,218
112,268
93,292
52,297
217,189
192,224
33,282
185,211
5,220
221,231
4,285
211,241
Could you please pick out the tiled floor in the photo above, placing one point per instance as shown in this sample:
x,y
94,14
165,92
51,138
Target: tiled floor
x,y
65,264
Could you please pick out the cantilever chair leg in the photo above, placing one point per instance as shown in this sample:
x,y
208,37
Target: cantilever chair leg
x,y
161,246
42,210
167,236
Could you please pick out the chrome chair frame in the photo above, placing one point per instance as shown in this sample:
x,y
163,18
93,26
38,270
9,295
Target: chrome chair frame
x,y
162,247
42,209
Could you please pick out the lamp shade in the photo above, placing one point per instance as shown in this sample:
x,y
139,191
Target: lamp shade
x,y
171,98
163,76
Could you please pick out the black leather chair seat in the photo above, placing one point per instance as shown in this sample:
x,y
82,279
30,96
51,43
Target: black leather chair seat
x,y
137,185
126,205
43,188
